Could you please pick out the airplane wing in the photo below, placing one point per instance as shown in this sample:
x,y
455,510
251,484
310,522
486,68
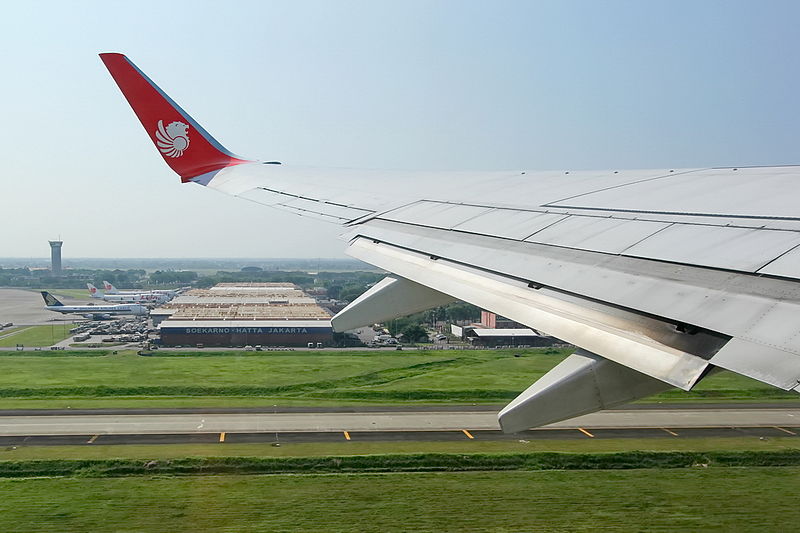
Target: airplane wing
x,y
658,276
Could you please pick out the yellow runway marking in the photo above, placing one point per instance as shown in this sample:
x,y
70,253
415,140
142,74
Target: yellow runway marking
x,y
468,434
785,430
585,432
347,435
94,438
222,437
670,432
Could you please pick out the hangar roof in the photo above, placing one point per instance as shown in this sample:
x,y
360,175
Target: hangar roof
x,y
478,332
173,323
245,301
252,286
253,312
251,299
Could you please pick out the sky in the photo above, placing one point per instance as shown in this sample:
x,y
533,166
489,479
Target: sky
x,y
433,85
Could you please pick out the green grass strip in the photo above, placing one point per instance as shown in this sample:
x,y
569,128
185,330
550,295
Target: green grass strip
x,y
369,378
323,390
100,391
46,352
38,336
429,462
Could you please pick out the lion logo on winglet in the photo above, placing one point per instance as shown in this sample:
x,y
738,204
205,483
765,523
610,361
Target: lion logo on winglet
x,y
173,140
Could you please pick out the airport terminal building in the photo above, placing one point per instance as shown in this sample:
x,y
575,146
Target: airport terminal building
x,y
242,314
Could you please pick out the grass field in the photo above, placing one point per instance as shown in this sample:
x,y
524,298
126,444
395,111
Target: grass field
x,y
68,293
724,499
386,463
37,336
308,449
301,378
9,331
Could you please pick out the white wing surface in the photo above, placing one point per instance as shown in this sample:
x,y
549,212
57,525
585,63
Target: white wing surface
x,y
658,276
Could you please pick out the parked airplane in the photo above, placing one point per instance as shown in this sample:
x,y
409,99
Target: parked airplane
x,y
94,312
110,289
658,276
133,297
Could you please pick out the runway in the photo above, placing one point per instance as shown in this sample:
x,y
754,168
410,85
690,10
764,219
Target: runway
x,y
24,428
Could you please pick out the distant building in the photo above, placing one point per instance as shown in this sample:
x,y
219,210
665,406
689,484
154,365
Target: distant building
x,y
508,337
492,321
494,330
55,257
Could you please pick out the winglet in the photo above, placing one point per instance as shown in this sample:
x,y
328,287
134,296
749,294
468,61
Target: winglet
x,y
186,147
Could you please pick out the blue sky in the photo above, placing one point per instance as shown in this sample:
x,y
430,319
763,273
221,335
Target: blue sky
x,y
377,84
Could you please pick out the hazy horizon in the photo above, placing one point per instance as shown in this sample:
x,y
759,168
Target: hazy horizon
x,y
188,263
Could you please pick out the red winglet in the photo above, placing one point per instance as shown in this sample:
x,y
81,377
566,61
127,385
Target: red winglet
x,y
187,148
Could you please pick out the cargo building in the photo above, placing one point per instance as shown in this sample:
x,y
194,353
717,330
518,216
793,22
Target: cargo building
x,y
241,314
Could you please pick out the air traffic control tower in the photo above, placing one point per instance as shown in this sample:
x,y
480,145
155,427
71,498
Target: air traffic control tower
x,y
55,257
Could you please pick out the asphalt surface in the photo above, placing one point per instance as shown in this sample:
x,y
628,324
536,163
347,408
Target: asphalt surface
x,y
381,421
27,307
423,408
363,425
289,437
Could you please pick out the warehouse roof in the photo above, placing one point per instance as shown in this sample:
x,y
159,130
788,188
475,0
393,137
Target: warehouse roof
x,y
243,301
251,299
173,323
252,286
254,312
480,332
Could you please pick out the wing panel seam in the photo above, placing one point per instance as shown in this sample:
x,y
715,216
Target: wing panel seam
x,y
684,213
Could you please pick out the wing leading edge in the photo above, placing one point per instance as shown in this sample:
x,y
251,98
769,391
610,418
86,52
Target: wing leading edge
x,y
658,276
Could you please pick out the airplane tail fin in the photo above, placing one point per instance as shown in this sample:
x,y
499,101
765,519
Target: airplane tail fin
x,y
92,291
186,147
50,300
110,289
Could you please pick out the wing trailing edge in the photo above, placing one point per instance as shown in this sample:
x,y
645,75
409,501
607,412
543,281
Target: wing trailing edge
x,y
592,330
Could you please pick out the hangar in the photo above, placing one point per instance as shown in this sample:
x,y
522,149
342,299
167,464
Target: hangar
x,y
507,337
241,314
